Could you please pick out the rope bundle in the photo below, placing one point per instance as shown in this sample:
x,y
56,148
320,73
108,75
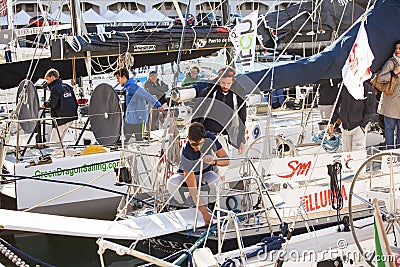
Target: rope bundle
x,y
329,143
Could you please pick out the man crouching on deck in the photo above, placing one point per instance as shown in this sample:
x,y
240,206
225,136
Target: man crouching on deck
x,y
200,145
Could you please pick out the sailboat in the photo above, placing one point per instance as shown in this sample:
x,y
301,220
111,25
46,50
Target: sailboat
x,y
272,204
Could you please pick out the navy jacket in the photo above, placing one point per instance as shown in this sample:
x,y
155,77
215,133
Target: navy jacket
x,y
221,111
354,113
62,102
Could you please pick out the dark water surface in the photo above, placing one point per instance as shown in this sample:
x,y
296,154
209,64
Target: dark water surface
x,y
65,251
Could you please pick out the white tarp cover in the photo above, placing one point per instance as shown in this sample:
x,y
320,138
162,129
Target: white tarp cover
x,y
92,17
61,17
109,15
141,16
125,16
21,18
130,229
156,16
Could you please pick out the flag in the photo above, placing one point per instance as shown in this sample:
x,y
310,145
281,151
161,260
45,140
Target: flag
x,y
243,37
382,247
357,67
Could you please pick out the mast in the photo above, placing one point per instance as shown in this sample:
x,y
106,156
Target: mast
x,y
79,28
77,24
225,10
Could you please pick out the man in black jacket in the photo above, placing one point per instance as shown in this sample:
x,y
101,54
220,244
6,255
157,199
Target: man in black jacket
x,y
62,102
221,107
355,115
328,91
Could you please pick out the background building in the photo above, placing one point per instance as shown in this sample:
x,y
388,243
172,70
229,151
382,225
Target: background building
x,y
166,7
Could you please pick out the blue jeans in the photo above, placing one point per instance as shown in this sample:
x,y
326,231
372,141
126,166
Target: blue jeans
x,y
390,127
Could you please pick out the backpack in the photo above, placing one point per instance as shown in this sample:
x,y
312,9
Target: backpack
x,y
386,88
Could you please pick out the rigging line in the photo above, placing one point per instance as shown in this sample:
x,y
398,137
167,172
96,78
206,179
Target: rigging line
x,y
178,59
125,207
37,39
59,11
183,20
21,177
271,85
67,193
32,67
103,68
236,112
283,51
335,36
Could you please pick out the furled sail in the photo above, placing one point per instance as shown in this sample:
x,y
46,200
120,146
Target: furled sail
x,y
382,34
312,21
159,40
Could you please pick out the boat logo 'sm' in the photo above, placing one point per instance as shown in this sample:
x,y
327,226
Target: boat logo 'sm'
x,y
298,168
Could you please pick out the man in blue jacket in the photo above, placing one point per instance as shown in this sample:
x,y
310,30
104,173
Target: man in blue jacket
x,y
62,102
135,99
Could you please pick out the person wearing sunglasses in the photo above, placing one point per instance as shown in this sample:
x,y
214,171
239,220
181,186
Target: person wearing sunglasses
x,y
192,77
200,146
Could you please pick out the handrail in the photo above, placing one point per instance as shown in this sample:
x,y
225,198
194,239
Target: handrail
x,y
18,146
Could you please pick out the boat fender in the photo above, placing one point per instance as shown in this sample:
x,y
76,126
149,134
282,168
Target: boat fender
x,y
228,203
183,94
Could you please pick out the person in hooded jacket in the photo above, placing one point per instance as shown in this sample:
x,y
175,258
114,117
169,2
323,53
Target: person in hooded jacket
x,y
136,98
62,103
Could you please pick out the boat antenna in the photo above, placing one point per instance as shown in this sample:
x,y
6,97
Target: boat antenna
x,y
183,20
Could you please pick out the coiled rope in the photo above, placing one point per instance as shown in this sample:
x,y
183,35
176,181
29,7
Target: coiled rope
x,y
329,143
334,170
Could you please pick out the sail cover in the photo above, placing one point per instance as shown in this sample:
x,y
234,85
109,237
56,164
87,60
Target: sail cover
x,y
382,31
311,21
159,40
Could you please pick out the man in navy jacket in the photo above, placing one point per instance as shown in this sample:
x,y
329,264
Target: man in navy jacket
x,y
355,115
62,102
